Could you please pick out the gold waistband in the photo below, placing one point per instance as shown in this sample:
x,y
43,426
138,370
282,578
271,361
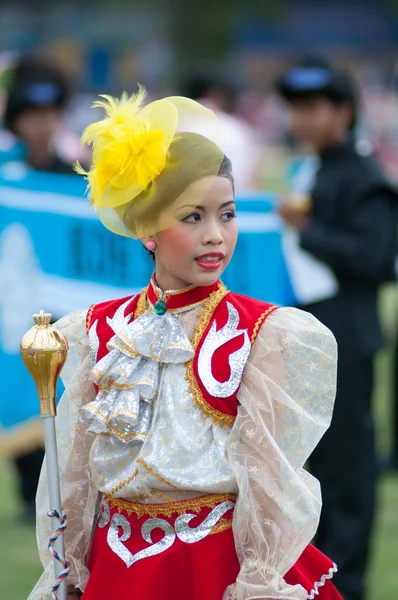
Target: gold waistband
x,y
168,509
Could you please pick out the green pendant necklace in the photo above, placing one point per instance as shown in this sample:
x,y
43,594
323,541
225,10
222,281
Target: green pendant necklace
x,y
160,307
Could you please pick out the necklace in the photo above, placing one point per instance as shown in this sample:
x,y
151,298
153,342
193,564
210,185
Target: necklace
x,y
160,307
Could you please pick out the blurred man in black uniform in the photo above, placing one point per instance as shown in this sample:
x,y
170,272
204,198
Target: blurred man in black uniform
x,y
36,99
352,228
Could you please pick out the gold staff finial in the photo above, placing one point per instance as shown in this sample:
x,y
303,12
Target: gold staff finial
x,y
44,350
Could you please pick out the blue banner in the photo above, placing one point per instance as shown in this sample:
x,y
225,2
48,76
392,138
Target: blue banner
x,y
56,255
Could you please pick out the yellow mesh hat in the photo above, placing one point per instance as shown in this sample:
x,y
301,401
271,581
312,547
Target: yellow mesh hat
x,y
151,164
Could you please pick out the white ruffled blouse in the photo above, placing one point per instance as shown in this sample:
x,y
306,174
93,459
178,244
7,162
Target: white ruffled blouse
x,y
285,406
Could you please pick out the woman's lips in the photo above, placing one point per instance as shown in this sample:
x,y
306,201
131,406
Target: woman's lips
x,y
210,261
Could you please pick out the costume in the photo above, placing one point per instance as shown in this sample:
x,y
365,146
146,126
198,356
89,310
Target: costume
x,y
196,440
189,414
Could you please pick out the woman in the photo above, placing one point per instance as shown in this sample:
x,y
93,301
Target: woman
x,y
182,466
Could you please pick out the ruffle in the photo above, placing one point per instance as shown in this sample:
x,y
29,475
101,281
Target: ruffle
x,y
127,377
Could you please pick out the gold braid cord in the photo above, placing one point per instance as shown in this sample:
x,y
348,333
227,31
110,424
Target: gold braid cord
x,y
222,525
141,305
170,508
123,483
141,461
260,321
89,317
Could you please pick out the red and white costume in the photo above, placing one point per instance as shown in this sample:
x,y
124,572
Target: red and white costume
x,y
182,467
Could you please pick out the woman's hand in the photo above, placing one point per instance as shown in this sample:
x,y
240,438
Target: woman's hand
x,y
73,593
293,215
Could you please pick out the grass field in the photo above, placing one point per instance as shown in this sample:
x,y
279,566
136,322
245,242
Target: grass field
x,y
19,564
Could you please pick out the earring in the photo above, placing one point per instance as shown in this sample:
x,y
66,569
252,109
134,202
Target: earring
x,y
151,245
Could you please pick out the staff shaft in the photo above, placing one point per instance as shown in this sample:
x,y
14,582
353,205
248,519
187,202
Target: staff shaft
x,y
54,495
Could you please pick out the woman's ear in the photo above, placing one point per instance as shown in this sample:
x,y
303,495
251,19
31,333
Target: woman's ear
x,y
149,243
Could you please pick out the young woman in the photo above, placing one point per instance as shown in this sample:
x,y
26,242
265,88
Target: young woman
x,y
182,466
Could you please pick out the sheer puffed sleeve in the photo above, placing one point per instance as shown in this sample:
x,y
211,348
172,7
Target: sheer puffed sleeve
x,y
79,498
286,404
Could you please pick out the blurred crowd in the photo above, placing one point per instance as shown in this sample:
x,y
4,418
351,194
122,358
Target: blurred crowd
x,y
254,120
343,216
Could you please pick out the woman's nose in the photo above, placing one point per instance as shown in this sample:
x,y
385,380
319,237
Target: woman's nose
x,y
212,234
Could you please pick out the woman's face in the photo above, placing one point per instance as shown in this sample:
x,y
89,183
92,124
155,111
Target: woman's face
x,y
197,249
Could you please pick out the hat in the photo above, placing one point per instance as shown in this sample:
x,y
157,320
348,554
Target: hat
x,y
34,83
317,78
151,164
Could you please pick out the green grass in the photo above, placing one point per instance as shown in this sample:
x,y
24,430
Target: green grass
x,y
19,563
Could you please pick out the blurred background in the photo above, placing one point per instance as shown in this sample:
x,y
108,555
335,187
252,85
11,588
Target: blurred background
x,y
178,47
161,43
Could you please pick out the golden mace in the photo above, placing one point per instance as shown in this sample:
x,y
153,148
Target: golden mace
x,y
44,350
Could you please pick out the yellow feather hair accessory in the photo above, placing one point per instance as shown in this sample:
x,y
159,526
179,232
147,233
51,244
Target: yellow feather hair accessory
x,y
130,147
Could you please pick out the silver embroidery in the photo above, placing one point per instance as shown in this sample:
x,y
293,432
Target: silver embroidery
x,y
128,375
105,515
237,360
190,536
160,546
119,321
181,529
115,543
315,591
171,292
94,343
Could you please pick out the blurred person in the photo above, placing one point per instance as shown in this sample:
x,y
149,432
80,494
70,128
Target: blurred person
x,y
239,139
392,460
37,96
348,223
389,462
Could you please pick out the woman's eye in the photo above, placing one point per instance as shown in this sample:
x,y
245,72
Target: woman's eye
x,y
228,215
192,218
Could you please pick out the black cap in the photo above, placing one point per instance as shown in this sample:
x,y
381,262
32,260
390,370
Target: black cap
x,y
317,78
35,83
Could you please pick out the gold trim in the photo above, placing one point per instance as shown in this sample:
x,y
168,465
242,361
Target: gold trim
x,y
222,525
162,495
125,386
127,436
260,321
89,317
204,318
180,507
141,304
205,315
127,349
124,482
97,372
141,461
124,349
124,436
123,411
97,412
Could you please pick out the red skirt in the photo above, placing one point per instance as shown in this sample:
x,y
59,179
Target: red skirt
x,y
182,550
